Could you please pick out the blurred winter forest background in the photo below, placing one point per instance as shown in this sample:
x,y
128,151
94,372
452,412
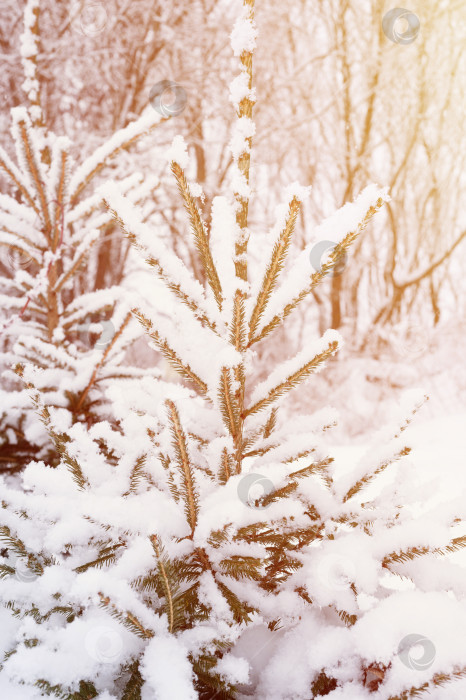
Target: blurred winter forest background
x,y
339,106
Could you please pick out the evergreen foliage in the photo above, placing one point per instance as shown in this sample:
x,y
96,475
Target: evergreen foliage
x,y
50,222
195,515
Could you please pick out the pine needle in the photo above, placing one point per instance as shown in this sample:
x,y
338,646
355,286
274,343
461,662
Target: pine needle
x,y
274,267
293,380
200,234
170,355
336,254
181,450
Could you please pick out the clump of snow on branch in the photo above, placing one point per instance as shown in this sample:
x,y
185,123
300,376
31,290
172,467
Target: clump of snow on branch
x,y
239,90
297,191
244,129
178,152
347,218
244,34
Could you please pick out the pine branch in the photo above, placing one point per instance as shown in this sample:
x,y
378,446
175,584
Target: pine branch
x,y
65,610
226,469
137,473
293,380
16,545
200,234
274,267
228,407
59,439
101,362
134,684
336,254
438,680
240,376
86,690
245,110
174,287
271,423
454,545
238,329
170,355
320,467
219,537
175,492
368,478
164,578
6,571
404,556
106,557
240,610
129,620
249,439
181,450
348,619
107,152
61,281
17,179
32,161
210,685
239,567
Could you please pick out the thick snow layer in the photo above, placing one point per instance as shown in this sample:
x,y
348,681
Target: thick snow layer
x,y
161,656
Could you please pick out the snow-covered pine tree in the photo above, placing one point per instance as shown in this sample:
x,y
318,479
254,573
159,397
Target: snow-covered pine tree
x,y
50,220
211,531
